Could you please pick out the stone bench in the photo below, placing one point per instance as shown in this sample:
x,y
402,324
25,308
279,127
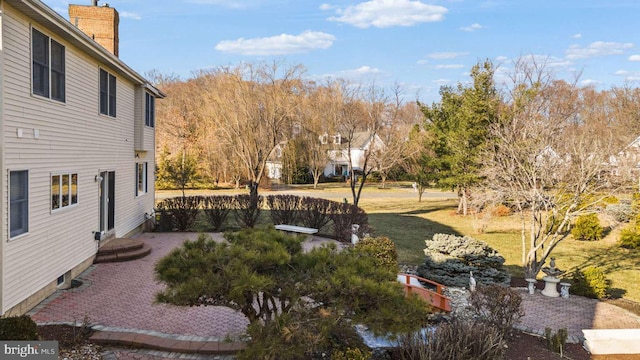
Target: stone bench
x,y
612,341
296,229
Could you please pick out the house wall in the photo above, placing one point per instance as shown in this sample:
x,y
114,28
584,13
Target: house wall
x,y
74,138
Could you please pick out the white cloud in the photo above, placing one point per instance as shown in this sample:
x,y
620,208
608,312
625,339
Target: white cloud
x,y
441,81
422,61
449,66
501,59
632,78
590,82
621,72
130,15
598,48
357,76
388,13
326,7
472,27
446,55
278,45
576,36
547,60
634,58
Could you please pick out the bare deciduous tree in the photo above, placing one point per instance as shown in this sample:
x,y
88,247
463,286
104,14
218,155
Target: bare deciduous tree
x,y
253,105
549,159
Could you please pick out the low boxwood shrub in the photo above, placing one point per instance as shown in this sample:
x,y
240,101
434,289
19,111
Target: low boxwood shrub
x,y
18,328
590,282
381,249
587,228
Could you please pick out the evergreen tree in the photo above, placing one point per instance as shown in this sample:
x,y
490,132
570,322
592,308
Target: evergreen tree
x,y
298,304
459,124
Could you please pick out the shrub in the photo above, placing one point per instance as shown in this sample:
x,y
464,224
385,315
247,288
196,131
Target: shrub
x,y
456,340
217,208
315,213
284,208
183,210
587,228
497,305
630,236
502,210
19,328
247,209
620,212
381,249
344,216
450,258
590,283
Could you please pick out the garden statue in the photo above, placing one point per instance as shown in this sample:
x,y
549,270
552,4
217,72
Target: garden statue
x,y
472,282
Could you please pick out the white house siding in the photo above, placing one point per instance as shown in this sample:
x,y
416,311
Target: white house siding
x,y
74,138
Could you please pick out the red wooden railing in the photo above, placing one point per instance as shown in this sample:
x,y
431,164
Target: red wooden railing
x,y
433,298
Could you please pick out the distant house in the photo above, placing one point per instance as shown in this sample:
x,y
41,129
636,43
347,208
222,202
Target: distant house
x,y
339,149
273,166
627,160
77,149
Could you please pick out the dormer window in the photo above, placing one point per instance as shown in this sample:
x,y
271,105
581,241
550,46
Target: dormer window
x,y
337,139
324,139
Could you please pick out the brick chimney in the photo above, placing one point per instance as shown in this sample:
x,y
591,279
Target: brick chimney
x,y
99,22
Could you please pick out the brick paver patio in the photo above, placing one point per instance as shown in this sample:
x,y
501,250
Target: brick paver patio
x,y
121,295
119,299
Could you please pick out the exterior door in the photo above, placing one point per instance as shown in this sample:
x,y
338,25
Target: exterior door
x,y
107,200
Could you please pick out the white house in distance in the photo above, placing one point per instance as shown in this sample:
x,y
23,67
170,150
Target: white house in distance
x,y
338,164
77,148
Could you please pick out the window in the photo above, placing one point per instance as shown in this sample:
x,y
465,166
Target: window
x,y
150,110
18,202
337,139
107,93
48,61
141,178
64,190
324,139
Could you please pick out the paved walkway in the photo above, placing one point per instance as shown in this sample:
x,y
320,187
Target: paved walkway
x,y
574,314
118,300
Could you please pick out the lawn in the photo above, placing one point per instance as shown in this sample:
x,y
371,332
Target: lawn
x,y
397,214
408,224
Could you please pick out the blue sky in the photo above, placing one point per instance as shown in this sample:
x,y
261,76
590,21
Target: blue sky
x,y
418,44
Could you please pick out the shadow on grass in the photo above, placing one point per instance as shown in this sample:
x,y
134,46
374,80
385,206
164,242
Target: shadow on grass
x,y
408,232
610,259
426,211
